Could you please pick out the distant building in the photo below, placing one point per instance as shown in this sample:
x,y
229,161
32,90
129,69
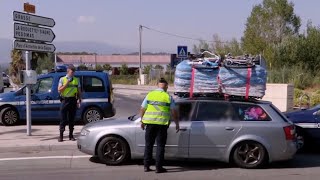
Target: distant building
x,y
115,60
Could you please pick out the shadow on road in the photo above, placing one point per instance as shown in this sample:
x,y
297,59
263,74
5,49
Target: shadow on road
x,y
305,160
17,131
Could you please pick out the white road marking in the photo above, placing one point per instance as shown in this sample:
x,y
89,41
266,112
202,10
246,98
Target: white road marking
x,y
44,157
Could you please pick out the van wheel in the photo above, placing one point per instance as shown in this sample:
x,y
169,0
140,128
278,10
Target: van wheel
x,y
249,155
9,116
92,114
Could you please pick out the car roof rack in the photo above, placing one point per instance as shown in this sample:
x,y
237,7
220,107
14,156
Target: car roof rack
x,y
216,96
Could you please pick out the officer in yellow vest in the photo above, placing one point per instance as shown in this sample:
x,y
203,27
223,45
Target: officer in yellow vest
x,y
69,89
156,112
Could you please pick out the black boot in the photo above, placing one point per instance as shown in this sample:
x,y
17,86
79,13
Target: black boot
x,y
60,139
71,135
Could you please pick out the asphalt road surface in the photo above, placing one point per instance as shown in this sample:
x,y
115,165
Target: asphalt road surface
x,y
75,165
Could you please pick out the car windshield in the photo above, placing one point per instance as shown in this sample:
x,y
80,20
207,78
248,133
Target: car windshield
x,y
315,107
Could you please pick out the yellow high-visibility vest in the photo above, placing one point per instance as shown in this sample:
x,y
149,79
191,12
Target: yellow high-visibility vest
x,y
158,108
72,88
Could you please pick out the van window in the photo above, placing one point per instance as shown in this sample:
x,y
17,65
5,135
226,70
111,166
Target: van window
x,y
93,84
250,112
44,85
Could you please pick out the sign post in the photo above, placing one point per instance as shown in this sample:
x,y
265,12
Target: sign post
x,y
182,52
31,37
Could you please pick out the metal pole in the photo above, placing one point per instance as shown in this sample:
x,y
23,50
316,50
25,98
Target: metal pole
x,y
28,98
55,61
140,53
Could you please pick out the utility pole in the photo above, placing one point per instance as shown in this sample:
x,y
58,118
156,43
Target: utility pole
x,y
140,54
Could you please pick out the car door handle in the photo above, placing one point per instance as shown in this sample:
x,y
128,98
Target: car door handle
x,y
229,128
183,129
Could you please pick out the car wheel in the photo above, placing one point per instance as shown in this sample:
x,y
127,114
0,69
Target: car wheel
x,y
249,155
9,116
92,114
113,151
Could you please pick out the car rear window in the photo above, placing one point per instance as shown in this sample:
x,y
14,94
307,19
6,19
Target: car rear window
x,y
250,112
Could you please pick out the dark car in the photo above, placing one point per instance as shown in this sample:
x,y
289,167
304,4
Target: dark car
x,y
307,122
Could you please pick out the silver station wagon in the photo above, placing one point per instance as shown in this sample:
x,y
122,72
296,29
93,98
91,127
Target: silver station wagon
x,y
247,133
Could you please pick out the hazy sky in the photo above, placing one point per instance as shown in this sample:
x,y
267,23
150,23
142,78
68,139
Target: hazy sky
x,y
116,21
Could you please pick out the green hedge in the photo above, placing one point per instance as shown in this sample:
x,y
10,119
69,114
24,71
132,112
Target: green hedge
x,y
124,79
314,97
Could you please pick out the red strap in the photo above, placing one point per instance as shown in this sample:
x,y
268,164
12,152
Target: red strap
x,y
192,82
248,83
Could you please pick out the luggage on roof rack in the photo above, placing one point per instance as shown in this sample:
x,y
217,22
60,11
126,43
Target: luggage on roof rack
x,y
204,77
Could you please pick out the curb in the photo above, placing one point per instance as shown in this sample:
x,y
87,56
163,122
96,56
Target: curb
x,y
38,148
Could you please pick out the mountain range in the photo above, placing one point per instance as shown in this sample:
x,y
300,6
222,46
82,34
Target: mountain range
x,y
68,46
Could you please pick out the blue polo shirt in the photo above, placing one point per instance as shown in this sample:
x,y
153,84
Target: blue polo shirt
x,y
145,103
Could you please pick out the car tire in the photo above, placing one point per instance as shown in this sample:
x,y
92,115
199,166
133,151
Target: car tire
x,y
113,151
9,116
92,114
249,155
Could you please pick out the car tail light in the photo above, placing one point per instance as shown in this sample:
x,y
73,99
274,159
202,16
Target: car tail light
x,y
289,131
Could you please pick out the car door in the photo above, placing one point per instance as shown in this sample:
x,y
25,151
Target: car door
x,y
308,120
44,100
177,143
313,129
212,129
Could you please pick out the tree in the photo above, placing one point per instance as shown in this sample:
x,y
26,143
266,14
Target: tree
x,y
268,24
82,67
36,56
147,69
45,63
158,66
17,65
124,70
99,67
107,67
202,45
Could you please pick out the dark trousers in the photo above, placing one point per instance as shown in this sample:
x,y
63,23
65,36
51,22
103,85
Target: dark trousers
x,y
68,112
159,133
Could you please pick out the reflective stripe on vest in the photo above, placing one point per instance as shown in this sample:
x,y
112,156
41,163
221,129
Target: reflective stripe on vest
x,y
158,108
72,88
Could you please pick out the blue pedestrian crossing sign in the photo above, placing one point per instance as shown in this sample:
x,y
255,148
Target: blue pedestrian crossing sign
x,y
182,52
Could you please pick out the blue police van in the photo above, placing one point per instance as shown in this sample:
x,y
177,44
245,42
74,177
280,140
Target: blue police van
x,y
97,99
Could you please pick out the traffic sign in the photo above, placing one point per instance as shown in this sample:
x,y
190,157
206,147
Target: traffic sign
x,y
182,52
27,46
29,18
22,31
29,8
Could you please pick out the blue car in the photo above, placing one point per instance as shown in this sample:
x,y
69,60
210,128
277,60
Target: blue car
x,y
307,123
97,99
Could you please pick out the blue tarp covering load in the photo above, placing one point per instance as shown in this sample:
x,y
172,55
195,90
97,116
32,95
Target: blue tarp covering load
x,y
210,78
234,81
205,77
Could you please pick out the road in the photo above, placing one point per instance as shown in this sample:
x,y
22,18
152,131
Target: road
x,y
72,164
75,165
